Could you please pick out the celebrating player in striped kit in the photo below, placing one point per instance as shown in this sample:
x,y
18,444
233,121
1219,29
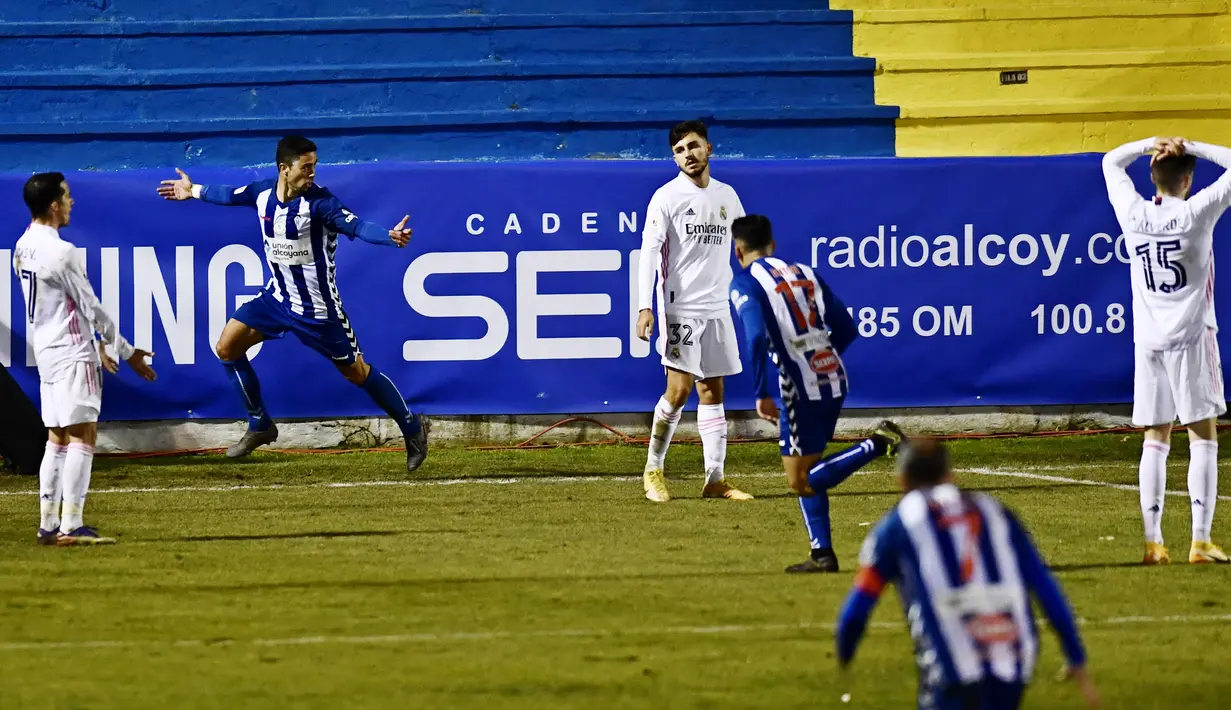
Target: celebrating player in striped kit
x,y
62,314
300,222
687,240
965,570
1177,370
789,314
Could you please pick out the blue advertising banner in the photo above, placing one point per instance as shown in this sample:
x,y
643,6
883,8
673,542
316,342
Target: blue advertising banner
x,y
972,281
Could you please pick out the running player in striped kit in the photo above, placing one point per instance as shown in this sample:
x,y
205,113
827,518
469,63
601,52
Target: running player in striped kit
x,y
1177,369
62,314
965,570
300,222
790,315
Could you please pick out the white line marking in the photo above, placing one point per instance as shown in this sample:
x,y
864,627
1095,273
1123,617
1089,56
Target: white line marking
x,y
551,633
377,484
1064,479
570,479
1214,618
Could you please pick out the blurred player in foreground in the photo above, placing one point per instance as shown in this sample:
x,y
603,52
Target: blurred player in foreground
x,y
789,314
965,569
687,238
300,222
1177,369
62,314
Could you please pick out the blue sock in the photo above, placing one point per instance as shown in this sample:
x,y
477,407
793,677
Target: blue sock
x,y
241,373
828,473
816,519
382,391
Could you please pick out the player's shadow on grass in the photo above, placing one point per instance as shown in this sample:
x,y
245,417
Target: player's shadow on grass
x,y
1092,566
839,493
402,583
321,534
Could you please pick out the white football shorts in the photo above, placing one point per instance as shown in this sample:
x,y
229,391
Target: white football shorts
x,y
1183,383
704,348
75,398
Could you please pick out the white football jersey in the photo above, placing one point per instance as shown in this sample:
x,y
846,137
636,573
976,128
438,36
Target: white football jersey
x,y
1171,244
687,239
62,311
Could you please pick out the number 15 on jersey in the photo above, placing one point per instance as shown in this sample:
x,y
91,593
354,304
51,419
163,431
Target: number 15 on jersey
x,y
1164,250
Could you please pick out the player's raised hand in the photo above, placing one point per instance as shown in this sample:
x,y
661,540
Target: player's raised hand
x,y
109,364
767,409
401,233
140,366
180,189
645,324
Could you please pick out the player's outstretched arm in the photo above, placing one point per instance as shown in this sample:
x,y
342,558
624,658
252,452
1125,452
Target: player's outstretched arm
x,y
183,188
343,221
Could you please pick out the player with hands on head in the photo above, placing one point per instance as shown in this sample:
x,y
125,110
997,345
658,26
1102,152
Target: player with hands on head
x,y
1177,369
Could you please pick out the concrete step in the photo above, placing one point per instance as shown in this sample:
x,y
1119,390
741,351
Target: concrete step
x,y
141,46
937,79
753,132
1043,27
1156,104
112,10
1053,134
331,121
1106,6
302,74
437,100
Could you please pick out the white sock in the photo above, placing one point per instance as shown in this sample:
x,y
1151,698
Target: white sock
x,y
1202,485
76,484
666,418
1152,478
50,489
712,425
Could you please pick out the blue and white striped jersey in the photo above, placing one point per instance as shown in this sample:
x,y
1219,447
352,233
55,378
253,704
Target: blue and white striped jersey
x,y
790,315
964,569
300,238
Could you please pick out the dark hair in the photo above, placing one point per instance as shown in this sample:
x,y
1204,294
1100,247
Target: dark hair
x,y
42,191
291,147
754,231
682,129
925,462
1169,173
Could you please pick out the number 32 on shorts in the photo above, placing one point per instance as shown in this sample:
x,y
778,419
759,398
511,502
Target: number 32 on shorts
x,y
681,334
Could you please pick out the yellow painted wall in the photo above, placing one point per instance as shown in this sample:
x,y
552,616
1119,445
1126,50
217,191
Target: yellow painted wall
x,y
1100,73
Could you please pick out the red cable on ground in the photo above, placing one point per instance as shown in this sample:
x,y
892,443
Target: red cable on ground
x,y
622,438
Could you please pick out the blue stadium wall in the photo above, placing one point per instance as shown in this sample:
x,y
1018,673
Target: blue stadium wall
x,y
115,84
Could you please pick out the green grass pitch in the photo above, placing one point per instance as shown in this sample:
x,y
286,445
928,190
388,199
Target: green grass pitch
x,y
537,579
